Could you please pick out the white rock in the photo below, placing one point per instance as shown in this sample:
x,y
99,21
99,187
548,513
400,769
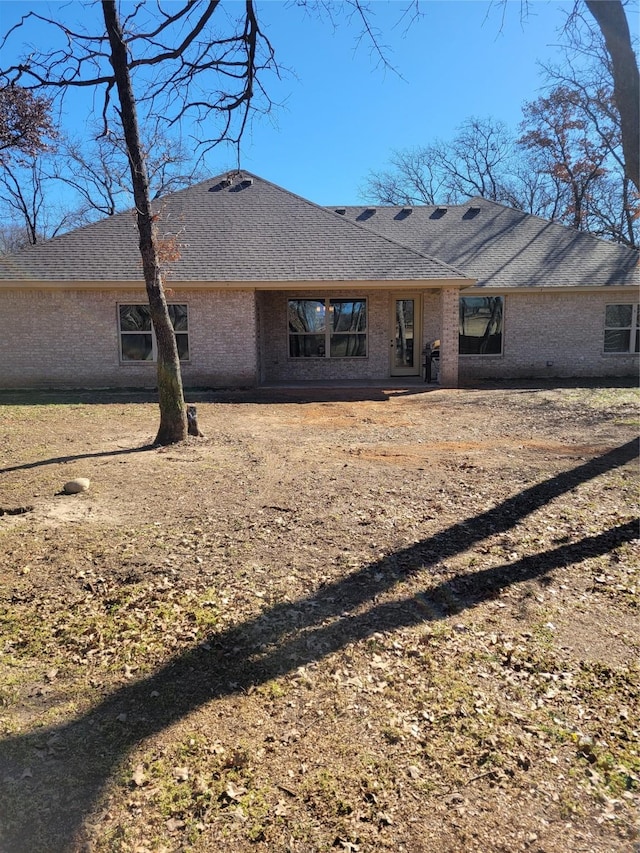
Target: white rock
x,y
74,487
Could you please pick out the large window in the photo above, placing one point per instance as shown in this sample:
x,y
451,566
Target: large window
x,y
480,325
327,328
622,328
137,339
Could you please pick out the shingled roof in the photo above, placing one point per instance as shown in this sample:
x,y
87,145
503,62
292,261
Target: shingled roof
x,y
503,247
240,230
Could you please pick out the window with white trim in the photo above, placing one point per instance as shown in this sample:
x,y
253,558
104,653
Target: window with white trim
x,y
480,325
137,338
622,328
327,328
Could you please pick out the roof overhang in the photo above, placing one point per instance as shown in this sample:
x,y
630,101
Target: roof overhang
x,y
404,285
560,288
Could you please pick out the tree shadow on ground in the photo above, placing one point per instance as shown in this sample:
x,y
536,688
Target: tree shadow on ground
x,y
286,392
78,758
56,460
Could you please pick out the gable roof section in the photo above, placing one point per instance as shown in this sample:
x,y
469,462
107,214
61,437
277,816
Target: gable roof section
x,y
248,230
503,247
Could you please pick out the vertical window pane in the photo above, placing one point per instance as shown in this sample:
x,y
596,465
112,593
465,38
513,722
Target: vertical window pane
x,y
617,340
135,318
306,315
183,347
618,316
136,347
348,315
307,346
622,328
481,325
178,317
403,349
344,346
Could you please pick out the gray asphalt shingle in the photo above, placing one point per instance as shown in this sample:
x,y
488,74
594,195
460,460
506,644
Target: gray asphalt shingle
x,y
255,231
251,231
503,247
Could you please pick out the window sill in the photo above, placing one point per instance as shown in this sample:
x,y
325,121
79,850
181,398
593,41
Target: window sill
x,y
300,358
138,362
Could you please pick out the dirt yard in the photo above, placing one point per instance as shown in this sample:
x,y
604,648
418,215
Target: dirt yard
x,y
384,620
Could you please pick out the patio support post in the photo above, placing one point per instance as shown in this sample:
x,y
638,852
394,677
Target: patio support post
x,y
449,320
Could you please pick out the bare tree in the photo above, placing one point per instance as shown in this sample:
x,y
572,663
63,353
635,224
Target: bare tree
x,y
12,237
568,164
186,72
612,205
612,21
477,161
413,177
24,188
98,173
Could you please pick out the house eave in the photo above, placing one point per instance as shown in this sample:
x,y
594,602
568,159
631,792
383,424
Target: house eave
x,y
550,289
170,285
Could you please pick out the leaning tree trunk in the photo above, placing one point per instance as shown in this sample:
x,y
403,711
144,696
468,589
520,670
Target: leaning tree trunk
x,y
173,417
612,20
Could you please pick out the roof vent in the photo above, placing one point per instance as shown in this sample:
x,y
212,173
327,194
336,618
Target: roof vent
x,y
222,184
438,213
367,213
402,214
471,213
341,210
243,184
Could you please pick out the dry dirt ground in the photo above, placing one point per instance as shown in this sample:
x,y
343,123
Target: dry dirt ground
x,y
402,620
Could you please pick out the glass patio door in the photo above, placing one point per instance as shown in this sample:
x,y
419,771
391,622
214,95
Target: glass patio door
x,y
406,338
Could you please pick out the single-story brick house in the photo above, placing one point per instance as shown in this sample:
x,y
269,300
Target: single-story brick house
x,y
271,288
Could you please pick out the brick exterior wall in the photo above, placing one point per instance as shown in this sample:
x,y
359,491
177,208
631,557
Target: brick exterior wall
x,y
69,339
449,330
431,315
553,335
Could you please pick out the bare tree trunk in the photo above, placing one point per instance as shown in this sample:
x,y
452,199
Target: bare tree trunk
x,y
173,417
610,17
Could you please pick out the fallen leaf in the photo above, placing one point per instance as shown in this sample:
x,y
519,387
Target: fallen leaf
x,y
181,774
139,777
280,809
234,792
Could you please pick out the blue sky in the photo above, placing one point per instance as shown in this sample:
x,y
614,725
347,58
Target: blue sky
x,y
344,116
341,115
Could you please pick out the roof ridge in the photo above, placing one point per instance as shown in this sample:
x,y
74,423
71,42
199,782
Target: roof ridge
x,y
581,235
